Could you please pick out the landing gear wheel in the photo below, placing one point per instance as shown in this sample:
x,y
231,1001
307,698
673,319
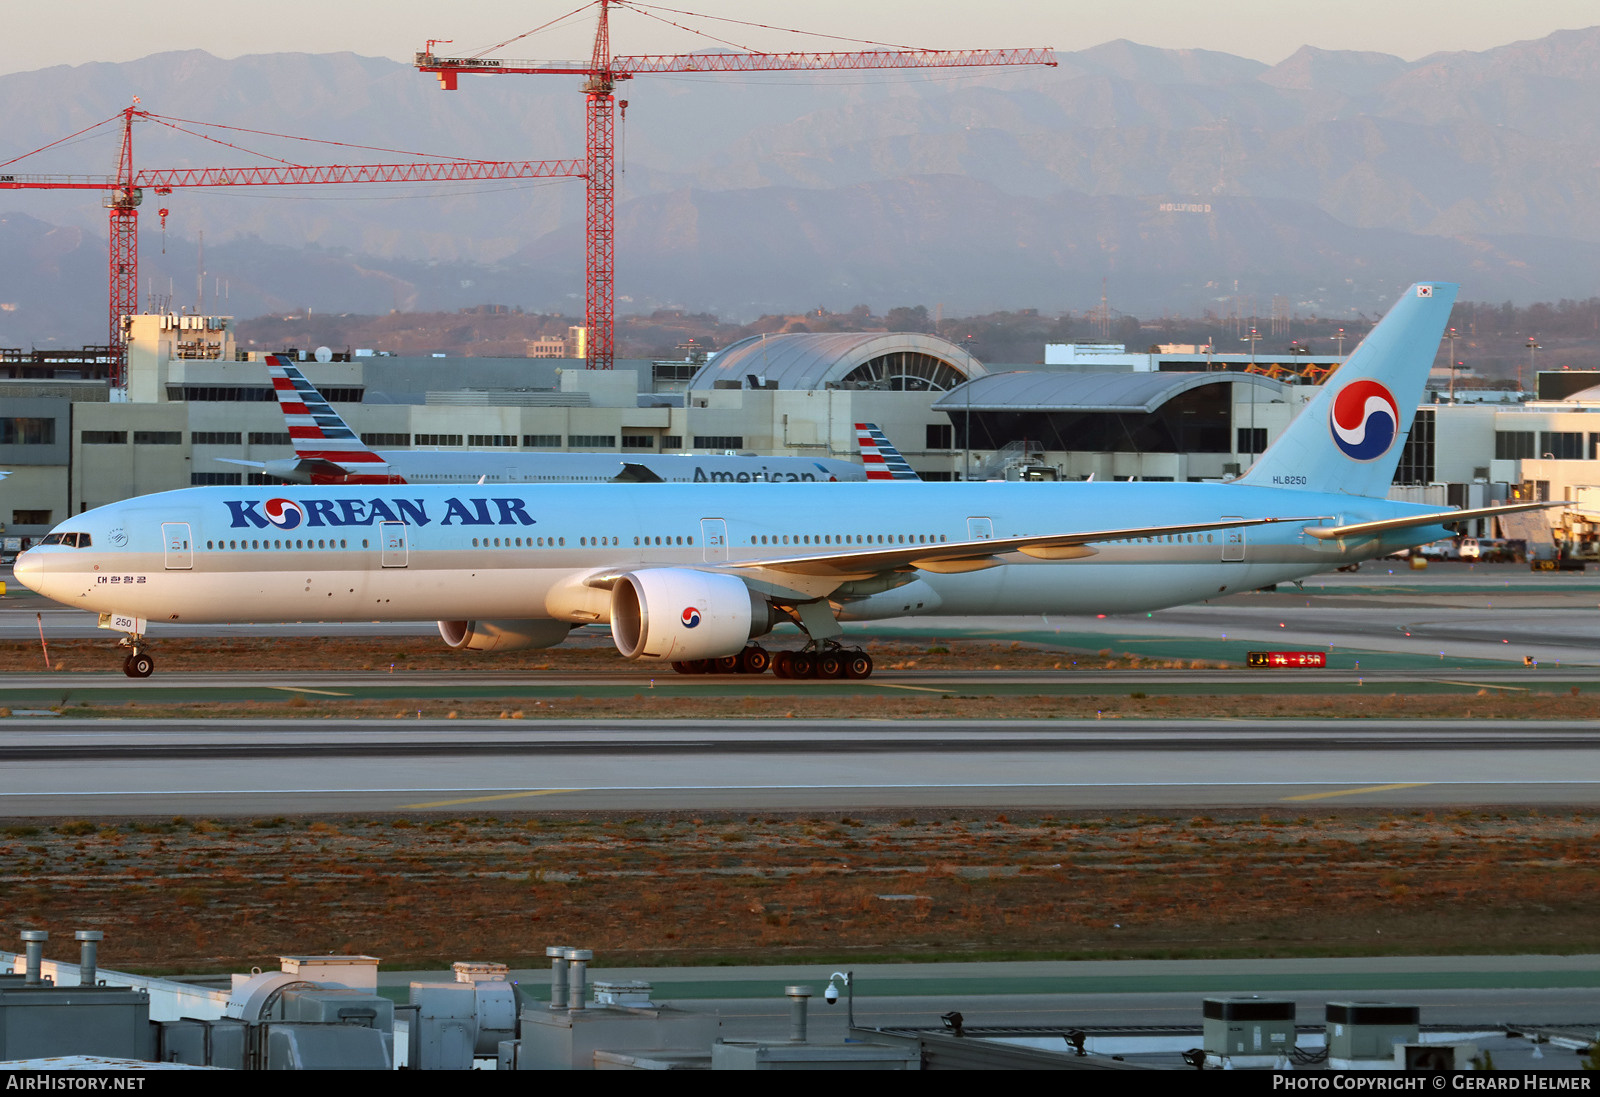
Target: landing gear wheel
x,y
803,664
139,665
858,664
689,666
725,664
754,660
783,664
830,664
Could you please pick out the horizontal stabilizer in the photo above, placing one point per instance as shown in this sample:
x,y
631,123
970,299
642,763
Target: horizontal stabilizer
x,y
1439,518
241,461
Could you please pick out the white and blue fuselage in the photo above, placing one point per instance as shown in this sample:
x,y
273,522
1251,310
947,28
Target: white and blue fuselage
x,y
415,552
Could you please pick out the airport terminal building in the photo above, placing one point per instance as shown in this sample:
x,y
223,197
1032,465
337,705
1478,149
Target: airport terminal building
x,y
195,398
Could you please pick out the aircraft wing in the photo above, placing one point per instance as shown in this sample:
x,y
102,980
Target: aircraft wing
x,y
321,466
975,555
635,473
1439,518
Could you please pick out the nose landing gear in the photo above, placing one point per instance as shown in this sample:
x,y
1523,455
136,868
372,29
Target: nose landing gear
x,y
138,664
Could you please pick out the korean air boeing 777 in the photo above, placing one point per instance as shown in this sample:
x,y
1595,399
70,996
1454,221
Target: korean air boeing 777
x,y
692,574
328,451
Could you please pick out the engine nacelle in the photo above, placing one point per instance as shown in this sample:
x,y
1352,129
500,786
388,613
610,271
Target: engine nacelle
x,y
503,635
679,614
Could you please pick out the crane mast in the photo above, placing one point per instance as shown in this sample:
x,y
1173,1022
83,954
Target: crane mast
x,y
601,76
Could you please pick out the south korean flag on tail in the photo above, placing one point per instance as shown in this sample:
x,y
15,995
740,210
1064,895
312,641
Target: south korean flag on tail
x,y
1424,291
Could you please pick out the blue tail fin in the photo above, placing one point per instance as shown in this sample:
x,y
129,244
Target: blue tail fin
x,y
1348,438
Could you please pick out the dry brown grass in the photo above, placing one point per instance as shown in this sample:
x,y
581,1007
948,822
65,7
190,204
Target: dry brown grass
x,y
427,890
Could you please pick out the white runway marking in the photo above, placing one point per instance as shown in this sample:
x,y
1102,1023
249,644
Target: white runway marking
x,y
779,788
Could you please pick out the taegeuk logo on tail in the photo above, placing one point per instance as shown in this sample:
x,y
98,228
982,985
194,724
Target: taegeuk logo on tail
x,y
1365,420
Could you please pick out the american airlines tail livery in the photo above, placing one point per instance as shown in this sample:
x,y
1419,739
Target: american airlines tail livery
x,y
691,574
328,451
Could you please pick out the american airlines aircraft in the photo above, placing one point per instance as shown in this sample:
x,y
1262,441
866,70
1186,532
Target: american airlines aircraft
x,y
328,451
690,574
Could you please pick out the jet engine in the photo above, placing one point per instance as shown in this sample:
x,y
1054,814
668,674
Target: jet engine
x,y
675,614
503,635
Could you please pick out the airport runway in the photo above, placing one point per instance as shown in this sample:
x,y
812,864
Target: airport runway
x,y
1455,629
75,768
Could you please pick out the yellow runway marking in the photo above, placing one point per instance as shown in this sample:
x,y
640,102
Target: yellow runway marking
x,y
486,799
924,689
1481,685
1357,791
300,689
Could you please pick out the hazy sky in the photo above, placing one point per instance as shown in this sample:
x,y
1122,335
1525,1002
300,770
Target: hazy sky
x,y
73,32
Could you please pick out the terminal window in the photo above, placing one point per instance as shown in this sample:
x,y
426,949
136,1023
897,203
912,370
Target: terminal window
x,y
594,441
438,439
941,436
542,441
269,438
386,439
1416,456
1562,445
105,437
214,479
213,438
504,441
672,441
719,441
21,431
158,437
638,441
1252,440
1513,445
30,518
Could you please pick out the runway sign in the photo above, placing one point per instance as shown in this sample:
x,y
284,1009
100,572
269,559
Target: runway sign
x,y
1288,659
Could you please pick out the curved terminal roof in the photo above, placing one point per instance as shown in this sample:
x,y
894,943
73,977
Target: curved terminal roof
x,y
1028,390
901,361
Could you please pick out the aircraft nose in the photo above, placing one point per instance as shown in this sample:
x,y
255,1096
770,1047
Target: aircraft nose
x,y
28,570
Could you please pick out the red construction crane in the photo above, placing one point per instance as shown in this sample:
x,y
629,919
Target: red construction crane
x,y
125,191
604,71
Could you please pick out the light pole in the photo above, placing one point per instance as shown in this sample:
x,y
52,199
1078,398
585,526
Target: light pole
x,y
1340,338
1452,334
1253,338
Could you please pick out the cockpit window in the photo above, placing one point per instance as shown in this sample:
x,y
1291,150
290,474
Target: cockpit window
x,y
71,540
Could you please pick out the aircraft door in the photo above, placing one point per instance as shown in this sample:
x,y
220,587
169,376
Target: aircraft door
x,y
392,538
714,532
1233,541
980,529
180,550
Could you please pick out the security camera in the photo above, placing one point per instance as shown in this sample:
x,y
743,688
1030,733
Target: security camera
x,y
831,995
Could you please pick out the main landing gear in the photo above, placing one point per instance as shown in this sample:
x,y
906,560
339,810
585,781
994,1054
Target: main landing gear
x,y
827,662
822,657
138,664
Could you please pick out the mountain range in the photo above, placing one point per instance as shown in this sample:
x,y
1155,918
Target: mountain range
x,y
1175,181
